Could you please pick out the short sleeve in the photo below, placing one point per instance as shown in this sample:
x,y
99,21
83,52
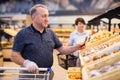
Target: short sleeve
x,y
57,42
19,42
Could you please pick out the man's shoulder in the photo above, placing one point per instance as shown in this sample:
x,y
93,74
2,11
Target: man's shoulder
x,y
49,30
23,31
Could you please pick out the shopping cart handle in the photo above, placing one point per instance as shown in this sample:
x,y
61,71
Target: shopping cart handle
x,y
19,68
49,69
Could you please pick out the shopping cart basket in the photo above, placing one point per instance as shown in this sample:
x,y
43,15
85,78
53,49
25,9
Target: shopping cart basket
x,y
13,73
66,61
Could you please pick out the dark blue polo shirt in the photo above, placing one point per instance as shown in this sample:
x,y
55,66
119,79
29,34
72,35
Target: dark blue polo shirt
x,y
36,46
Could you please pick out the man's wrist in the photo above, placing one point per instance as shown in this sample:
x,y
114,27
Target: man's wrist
x,y
25,62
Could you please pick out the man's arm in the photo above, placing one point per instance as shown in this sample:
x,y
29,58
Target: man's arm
x,y
17,58
70,49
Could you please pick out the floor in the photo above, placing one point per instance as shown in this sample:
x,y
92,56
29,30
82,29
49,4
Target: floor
x,y
59,73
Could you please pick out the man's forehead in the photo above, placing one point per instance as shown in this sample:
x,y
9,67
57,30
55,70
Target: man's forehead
x,y
41,10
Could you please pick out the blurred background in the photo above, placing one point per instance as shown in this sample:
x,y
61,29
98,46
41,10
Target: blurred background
x,y
59,7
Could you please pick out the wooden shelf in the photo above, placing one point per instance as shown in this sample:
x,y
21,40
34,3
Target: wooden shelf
x,y
63,32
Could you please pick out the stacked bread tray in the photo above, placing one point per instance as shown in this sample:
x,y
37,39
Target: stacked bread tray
x,y
94,52
74,73
104,69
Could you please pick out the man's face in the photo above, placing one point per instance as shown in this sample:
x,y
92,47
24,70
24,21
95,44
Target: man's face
x,y
41,17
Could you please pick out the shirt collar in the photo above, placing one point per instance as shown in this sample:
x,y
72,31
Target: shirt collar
x,y
79,33
35,30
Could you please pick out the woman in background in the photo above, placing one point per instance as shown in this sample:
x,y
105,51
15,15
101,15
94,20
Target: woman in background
x,y
78,36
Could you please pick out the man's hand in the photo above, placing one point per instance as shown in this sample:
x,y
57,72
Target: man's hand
x,y
31,66
80,46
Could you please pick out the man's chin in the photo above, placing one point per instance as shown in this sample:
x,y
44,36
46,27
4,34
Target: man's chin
x,y
46,26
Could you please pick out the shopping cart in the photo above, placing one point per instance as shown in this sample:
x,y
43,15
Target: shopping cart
x,y
13,73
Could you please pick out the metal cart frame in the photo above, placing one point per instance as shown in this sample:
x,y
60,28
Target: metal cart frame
x,y
45,73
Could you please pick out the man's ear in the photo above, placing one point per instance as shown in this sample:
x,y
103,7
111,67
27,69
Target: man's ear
x,y
33,17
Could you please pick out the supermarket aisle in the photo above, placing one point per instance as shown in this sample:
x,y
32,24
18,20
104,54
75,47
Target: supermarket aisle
x,y
59,73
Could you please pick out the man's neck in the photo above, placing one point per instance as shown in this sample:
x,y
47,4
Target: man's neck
x,y
38,28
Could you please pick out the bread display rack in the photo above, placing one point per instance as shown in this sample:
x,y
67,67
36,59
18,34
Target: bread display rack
x,y
95,48
100,41
107,75
97,56
104,67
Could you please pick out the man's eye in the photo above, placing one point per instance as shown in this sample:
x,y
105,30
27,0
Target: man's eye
x,y
44,16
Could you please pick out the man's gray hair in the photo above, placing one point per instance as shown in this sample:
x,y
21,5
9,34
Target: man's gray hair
x,y
33,9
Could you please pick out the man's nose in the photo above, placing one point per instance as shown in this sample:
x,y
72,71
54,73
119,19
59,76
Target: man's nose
x,y
46,20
